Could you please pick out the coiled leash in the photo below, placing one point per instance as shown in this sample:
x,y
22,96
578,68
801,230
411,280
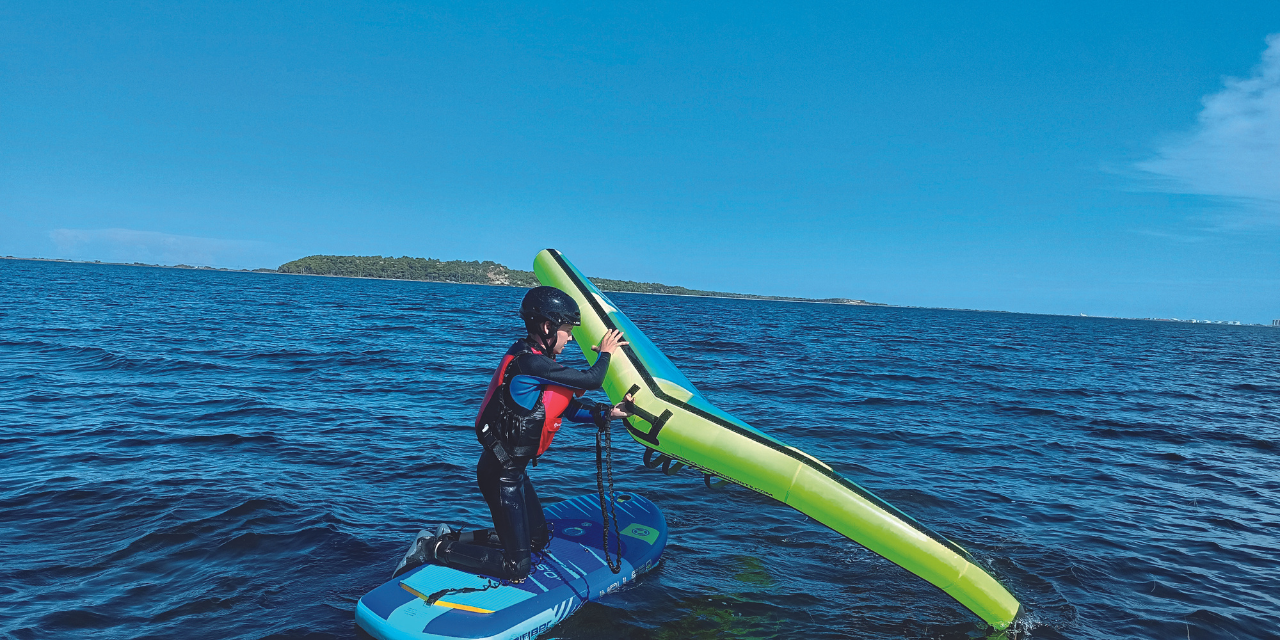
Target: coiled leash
x,y
604,464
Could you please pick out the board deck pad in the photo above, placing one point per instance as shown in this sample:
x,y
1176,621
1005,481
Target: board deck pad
x,y
570,572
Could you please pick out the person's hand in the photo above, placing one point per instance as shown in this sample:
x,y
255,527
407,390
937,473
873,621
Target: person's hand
x,y
620,409
610,343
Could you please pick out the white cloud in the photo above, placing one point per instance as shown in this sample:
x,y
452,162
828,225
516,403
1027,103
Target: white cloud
x,y
1234,150
128,245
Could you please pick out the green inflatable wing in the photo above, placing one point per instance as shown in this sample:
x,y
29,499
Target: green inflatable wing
x,y
673,419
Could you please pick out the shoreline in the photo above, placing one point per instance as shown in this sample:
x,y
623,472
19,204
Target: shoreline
x,y
851,303
143,264
263,270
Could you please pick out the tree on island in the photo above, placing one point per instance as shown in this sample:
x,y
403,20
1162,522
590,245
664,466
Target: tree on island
x,y
488,272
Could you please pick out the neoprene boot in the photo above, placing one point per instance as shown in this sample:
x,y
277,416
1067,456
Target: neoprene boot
x,y
422,550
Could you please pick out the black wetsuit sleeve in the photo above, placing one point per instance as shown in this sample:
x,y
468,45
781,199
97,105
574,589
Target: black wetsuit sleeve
x,y
579,410
543,367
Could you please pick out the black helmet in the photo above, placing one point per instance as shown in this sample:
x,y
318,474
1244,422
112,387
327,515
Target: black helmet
x,y
549,303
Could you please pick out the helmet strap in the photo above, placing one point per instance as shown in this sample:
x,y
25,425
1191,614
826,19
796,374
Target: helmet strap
x,y
546,340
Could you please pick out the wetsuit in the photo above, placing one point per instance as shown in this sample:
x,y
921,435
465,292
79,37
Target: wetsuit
x,y
527,398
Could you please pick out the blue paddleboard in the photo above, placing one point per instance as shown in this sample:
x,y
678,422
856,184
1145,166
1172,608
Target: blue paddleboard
x,y
568,573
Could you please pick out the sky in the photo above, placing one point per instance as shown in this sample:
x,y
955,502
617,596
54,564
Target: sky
x,y
1094,157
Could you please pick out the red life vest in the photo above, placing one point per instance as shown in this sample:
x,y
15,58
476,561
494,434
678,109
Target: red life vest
x,y
522,432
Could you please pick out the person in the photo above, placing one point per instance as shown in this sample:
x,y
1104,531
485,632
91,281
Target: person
x,y
528,396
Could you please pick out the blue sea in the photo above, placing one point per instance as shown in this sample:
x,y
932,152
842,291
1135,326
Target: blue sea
x,y
204,454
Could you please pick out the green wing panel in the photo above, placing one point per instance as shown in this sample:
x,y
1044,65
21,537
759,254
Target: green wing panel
x,y
673,418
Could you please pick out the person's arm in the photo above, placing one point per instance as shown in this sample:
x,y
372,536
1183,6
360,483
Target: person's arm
x,y
584,411
540,366
591,379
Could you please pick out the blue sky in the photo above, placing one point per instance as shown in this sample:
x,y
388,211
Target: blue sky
x,y
1099,158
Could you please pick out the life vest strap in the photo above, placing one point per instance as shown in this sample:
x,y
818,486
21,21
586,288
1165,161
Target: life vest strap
x,y
490,440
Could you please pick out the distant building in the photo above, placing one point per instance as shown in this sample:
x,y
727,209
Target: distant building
x,y
1275,323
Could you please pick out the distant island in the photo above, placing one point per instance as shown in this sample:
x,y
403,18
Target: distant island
x,y
488,272
492,273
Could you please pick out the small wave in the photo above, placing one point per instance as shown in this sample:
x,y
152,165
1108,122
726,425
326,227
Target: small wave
x,y
76,619
1256,388
223,439
1228,523
986,367
914,497
465,311
258,411
24,343
198,607
280,354
893,377
890,402
98,359
256,505
40,398
1263,445
1025,411
1078,393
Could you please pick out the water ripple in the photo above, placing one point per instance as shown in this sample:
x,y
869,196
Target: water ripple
x,y
231,455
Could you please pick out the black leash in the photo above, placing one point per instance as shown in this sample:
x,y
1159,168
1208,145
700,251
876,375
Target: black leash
x,y
604,461
431,599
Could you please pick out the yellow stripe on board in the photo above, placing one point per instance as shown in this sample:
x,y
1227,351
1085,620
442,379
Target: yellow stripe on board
x,y
450,605
463,607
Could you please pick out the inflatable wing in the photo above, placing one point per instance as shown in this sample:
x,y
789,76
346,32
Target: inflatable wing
x,y
673,419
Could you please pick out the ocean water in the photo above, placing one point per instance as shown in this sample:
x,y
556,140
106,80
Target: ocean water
x,y
204,454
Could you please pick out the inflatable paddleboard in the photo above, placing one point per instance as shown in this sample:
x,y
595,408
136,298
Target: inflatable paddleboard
x,y
674,420
568,573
